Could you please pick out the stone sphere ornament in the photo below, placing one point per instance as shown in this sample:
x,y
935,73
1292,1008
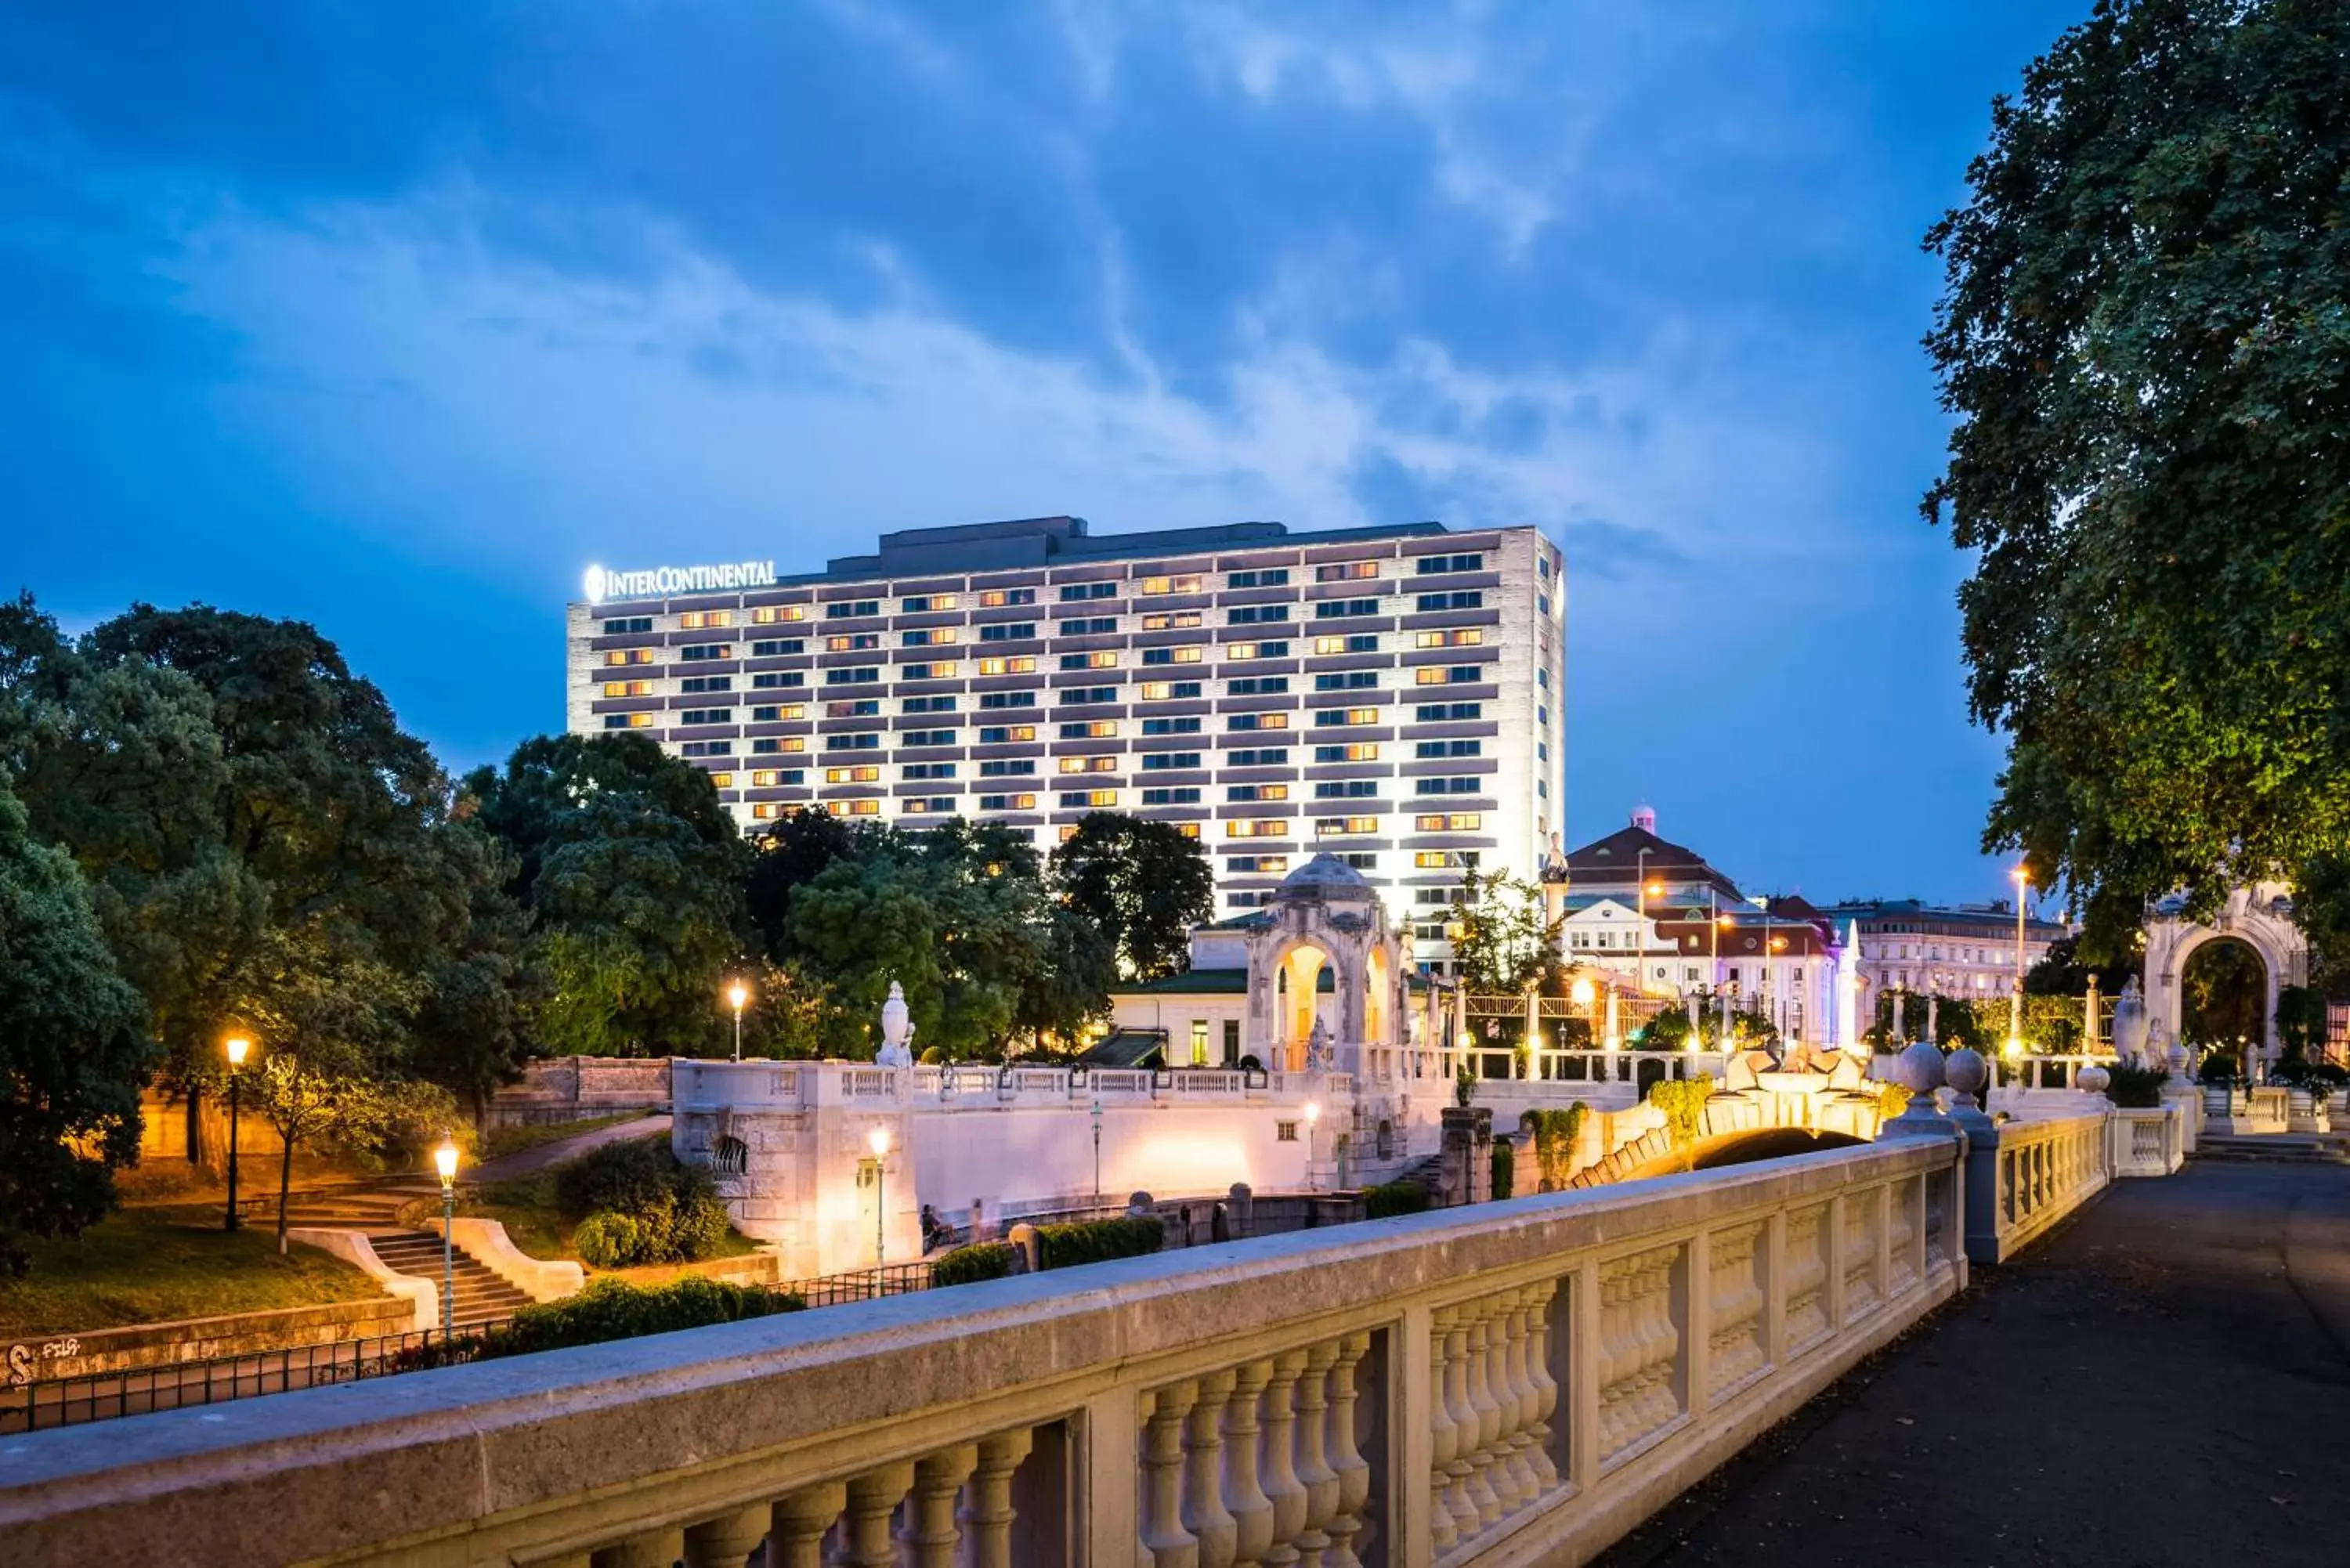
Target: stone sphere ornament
x,y
1967,1073
1921,1068
2094,1080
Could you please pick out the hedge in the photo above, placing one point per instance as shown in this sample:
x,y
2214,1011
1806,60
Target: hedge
x,y
968,1265
606,1310
1098,1241
1394,1198
635,1203
1504,1160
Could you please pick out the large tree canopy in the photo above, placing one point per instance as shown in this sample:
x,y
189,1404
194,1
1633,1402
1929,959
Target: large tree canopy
x,y
1142,883
73,1048
2144,337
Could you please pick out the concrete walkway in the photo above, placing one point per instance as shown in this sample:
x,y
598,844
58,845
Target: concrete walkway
x,y
2167,1380
563,1148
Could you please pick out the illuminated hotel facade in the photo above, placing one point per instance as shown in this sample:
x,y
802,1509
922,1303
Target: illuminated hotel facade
x,y
1390,695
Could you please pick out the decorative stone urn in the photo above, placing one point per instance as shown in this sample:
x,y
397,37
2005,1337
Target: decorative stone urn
x,y
2093,1080
897,1031
1966,1072
2131,1025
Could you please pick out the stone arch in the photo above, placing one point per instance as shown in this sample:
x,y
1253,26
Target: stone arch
x,y
1296,966
2260,916
1379,1002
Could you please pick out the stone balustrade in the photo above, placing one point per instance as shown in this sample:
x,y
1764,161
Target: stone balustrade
x,y
2147,1142
1504,1384
2024,1176
806,1085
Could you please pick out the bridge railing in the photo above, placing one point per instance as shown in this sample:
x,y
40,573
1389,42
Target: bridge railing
x,y
1429,1391
2147,1140
2024,1176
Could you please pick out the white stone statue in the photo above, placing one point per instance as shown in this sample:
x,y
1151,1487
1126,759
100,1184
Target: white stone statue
x,y
1317,1046
897,1031
2130,1026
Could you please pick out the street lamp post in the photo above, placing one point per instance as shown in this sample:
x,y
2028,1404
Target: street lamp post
x,y
236,1045
738,994
879,1141
1313,1120
444,1160
2015,987
1097,1115
1640,924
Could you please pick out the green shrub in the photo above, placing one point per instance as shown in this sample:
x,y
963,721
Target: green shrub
x,y
1098,1241
2218,1069
608,1240
610,1308
2134,1086
1504,1169
1394,1198
969,1265
1556,1132
674,1208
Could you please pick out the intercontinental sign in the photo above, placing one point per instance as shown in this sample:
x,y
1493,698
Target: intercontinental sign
x,y
661,582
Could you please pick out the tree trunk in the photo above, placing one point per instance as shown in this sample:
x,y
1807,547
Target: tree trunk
x,y
284,1185
195,1126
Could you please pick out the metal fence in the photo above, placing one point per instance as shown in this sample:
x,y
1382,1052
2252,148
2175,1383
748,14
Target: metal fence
x,y
861,1284
99,1396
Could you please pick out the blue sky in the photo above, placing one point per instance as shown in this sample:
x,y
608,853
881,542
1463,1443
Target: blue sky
x,y
392,317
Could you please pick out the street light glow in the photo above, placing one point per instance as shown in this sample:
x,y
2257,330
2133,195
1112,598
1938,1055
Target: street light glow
x,y
444,1160
1582,991
1313,1112
878,1141
738,994
237,1046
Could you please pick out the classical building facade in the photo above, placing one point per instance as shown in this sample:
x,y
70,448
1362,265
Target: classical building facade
x,y
1658,913
1968,951
1390,695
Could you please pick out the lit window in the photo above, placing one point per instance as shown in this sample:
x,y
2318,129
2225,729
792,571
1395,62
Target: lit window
x,y
1361,642
1457,821
857,807
617,657
997,598
1263,865
1090,662
1446,674
922,604
936,637
1007,803
1345,571
1345,826
929,805
1257,650
1090,729
627,720
1024,665
1256,792
1462,637
942,669
1171,621
788,743
1360,752
1000,734
765,811
768,615
697,620
627,688
1154,586
1170,656
1256,827
852,775
1330,716
1258,722
722,781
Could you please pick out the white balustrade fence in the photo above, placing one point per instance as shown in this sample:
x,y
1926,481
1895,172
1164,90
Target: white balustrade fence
x,y
1507,1384
2029,1174
2147,1141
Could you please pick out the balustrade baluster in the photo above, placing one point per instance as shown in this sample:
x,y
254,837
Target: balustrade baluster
x,y
1345,1457
1545,1385
1204,1514
988,1513
797,1524
1518,1406
1165,1542
1459,1495
1491,1468
1444,1440
930,1535
1244,1497
1313,1471
727,1542
1280,1466
873,1497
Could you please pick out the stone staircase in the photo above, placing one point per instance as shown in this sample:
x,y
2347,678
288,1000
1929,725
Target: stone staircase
x,y
480,1296
2283,1148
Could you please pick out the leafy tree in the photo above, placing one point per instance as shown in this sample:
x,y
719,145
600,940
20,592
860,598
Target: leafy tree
x,y
2061,972
791,854
308,1106
1071,988
634,873
1504,941
2300,1019
472,1027
1143,883
2143,338
74,1048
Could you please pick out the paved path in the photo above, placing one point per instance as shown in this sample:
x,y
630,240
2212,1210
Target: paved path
x,y
2166,1381
563,1148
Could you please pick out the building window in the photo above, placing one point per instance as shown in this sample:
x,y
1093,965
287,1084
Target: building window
x,y
1259,686
1256,792
999,598
1260,757
923,603
857,807
1090,662
1448,748
790,744
697,683
1021,767
1159,762
772,681
1095,799
1083,696
1257,827
1340,610
1155,586
1361,751
1457,821
627,720
1187,796
1446,674
1345,826
779,647
1346,789
1170,654
1089,627
706,716
1257,615
1433,565
769,615
1248,650
854,675
1444,859
1468,598
1164,690
935,636
627,688
629,626
1072,593
708,749
1007,803
1269,865
931,738
1184,726
1285,1132
699,620
1008,631
1090,729
1346,680
1444,786
1330,716
1004,734
1007,699
929,805
861,708
1257,721
1089,765
1024,664
856,644
700,652
868,742
1265,577
1461,636
1438,712
1171,621
1346,571
1360,642
927,705
1232,1041
620,658
849,609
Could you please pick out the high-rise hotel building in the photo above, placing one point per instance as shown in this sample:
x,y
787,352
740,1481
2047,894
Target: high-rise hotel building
x,y
1390,695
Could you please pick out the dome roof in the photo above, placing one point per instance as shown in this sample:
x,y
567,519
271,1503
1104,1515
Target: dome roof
x,y
1327,877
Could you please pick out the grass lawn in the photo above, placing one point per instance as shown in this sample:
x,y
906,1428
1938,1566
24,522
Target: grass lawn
x,y
525,1206
516,1140
158,1264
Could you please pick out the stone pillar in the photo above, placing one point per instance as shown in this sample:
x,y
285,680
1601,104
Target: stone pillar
x,y
1239,1210
1466,1163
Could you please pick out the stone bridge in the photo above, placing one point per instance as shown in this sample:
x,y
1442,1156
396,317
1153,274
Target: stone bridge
x,y
1507,1384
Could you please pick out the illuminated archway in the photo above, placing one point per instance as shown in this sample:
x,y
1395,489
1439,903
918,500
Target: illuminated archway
x,y
2259,917
1298,971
